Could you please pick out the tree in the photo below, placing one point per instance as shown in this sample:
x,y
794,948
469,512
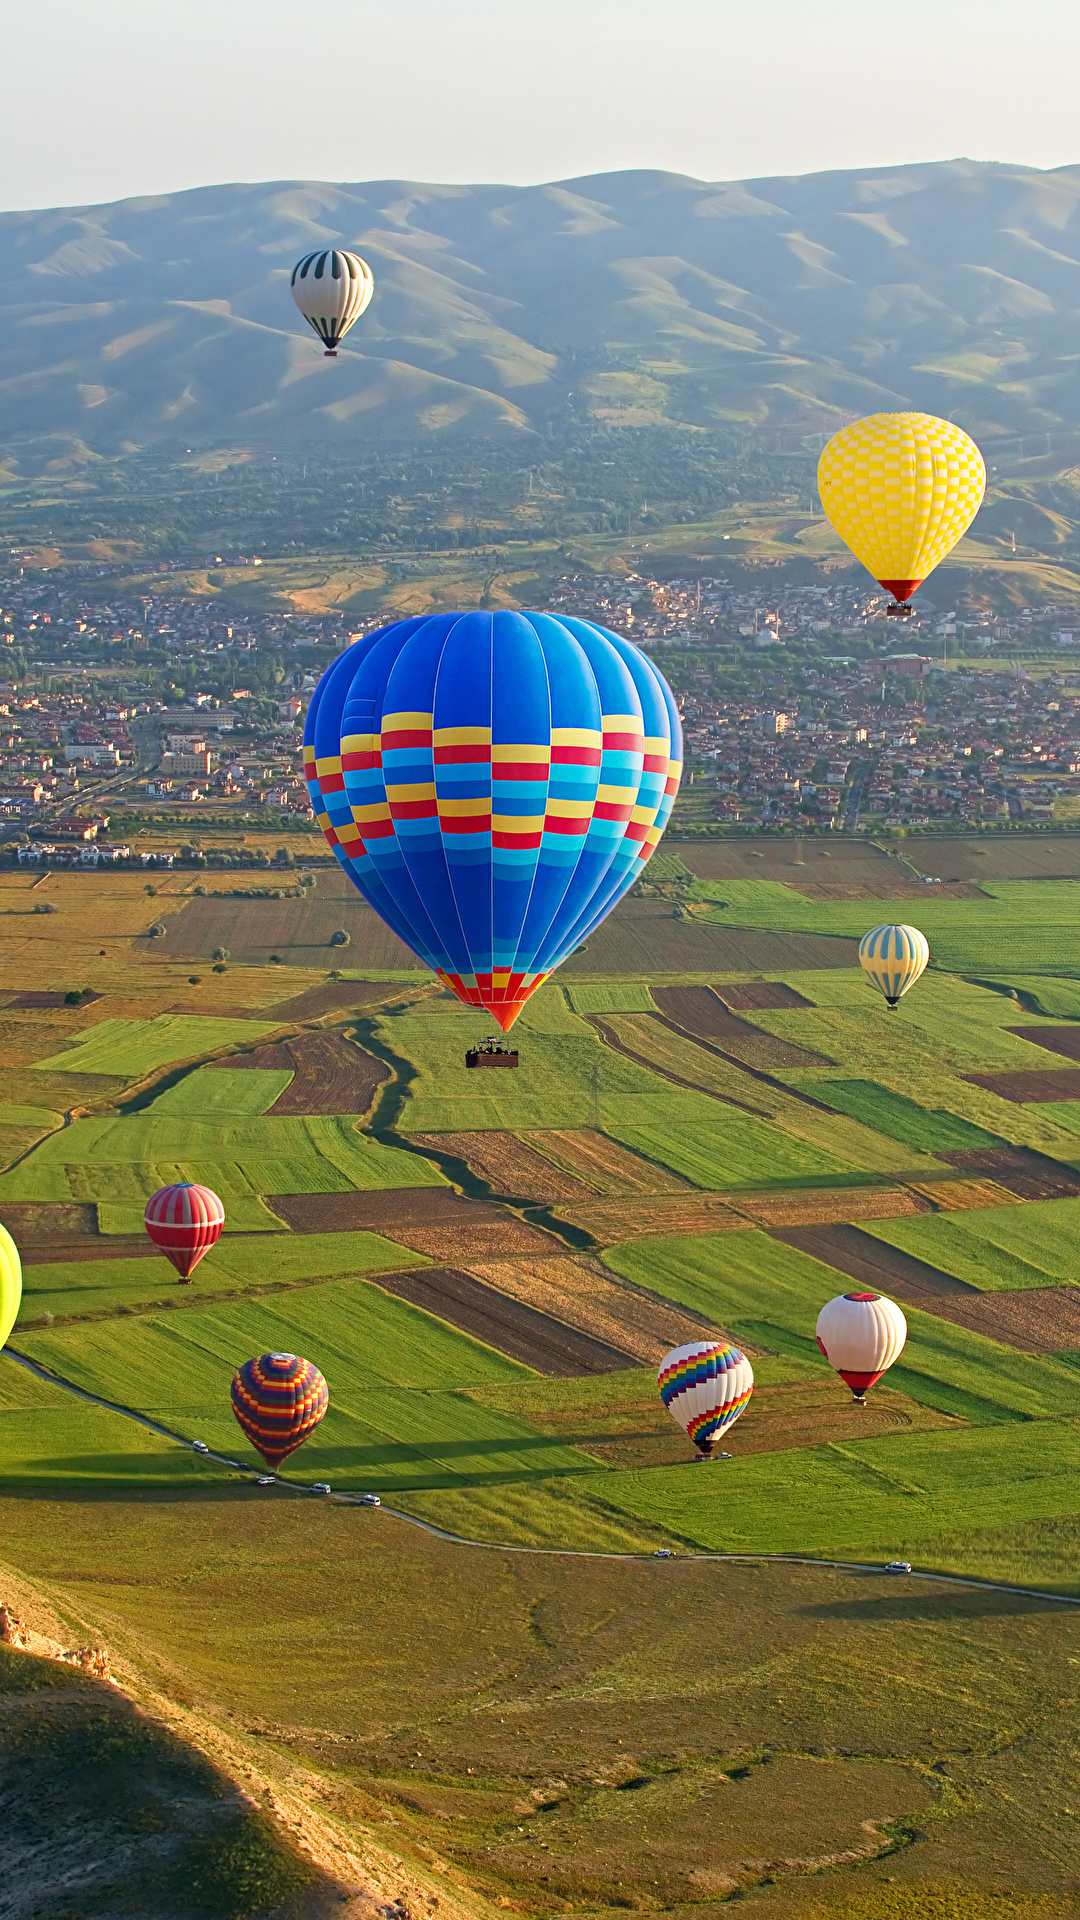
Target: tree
x,y
340,938
221,953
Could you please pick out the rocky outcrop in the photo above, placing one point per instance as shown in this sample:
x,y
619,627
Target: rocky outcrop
x,y
15,1633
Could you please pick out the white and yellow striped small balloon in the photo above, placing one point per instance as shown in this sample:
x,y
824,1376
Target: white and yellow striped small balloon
x,y
900,490
893,958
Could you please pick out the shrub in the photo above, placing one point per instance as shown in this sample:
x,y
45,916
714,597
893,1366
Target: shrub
x,y
220,968
340,938
194,980
157,929
44,906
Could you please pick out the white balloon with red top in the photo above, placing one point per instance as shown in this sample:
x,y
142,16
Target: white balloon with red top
x,y
862,1335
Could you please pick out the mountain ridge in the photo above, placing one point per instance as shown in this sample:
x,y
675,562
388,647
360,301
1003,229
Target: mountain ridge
x,y
780,304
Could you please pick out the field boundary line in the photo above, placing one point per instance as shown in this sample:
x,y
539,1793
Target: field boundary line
x,y
346,1497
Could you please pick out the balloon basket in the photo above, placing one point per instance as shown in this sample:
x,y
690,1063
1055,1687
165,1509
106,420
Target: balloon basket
x,y
901,612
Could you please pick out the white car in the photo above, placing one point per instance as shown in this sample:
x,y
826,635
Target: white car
x,y
266,1479
663,1553
320,1487
370,1500
199,1446
898,1566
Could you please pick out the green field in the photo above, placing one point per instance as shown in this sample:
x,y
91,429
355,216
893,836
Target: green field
x,y
398,1414
1035,1245
72,1289
240,1157
132,1048
811,1742
769,1295
1022,927
899,1118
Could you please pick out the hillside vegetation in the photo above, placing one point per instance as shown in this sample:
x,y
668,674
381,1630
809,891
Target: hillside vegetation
x,y
784,303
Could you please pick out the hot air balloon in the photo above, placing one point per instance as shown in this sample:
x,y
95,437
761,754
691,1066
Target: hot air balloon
x,y
278,1399
900,489
705,1386
331,289
10,1283
862,1335
893,958
492,783
185,1221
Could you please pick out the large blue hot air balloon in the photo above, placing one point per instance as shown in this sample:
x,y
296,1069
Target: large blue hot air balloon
x,y
492,783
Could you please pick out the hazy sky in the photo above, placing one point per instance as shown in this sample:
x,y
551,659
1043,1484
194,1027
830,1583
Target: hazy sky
x,y
108,98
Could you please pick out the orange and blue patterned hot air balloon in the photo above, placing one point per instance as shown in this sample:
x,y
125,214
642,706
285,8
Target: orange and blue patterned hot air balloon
x,y
705,1386
278,1399
492,783
184,1221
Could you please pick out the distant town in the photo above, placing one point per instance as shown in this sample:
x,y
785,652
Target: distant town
x,y
126,725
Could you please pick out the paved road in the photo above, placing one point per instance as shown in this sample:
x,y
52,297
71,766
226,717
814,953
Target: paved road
x,y
353,1497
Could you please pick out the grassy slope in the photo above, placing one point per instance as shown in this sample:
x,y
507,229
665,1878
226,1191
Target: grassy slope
x,y
135,1047
78,1287
397,1418
1034,1245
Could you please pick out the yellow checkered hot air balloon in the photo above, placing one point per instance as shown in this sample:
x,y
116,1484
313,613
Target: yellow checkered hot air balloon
x,y
900,489
893,958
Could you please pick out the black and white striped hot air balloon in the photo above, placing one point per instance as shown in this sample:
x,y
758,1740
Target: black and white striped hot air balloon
x,y
331,289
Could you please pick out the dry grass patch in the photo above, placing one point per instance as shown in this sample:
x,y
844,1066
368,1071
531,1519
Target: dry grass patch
x,y
960,1196
595,1162
584,1295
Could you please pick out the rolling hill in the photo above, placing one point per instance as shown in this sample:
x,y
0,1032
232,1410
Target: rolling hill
x,y
781,304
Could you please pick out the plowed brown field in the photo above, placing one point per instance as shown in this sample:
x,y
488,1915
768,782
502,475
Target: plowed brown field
x,y
582,1294
829,1206
643,937
519,1331
1037,1320
298,931
334,996
700,1012
1063,1040
330,1074
506,1165
1062,1083
1029,1175
872,1263
429,1220
961,1196
49,1224
607,1166
760,996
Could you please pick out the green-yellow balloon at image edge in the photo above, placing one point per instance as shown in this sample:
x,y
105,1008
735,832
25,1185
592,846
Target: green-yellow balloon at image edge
x,y
10,1283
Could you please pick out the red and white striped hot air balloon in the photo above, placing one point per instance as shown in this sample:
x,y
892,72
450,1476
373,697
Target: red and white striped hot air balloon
x,y
862,1335
184,1221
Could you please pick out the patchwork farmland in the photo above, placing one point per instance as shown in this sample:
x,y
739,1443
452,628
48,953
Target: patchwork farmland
x,y
714,1129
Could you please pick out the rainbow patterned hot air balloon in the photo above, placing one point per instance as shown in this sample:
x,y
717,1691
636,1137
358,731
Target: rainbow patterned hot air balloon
x,y
893,958
492,783
279,1399
184,1221
900,490
862,1335
10,1283
705,1386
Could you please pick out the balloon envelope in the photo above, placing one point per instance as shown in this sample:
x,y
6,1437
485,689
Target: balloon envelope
x,y
900,490
862,1335
705,1386
184,1221
893,958
492,783
278,1400
331,289
10,1283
